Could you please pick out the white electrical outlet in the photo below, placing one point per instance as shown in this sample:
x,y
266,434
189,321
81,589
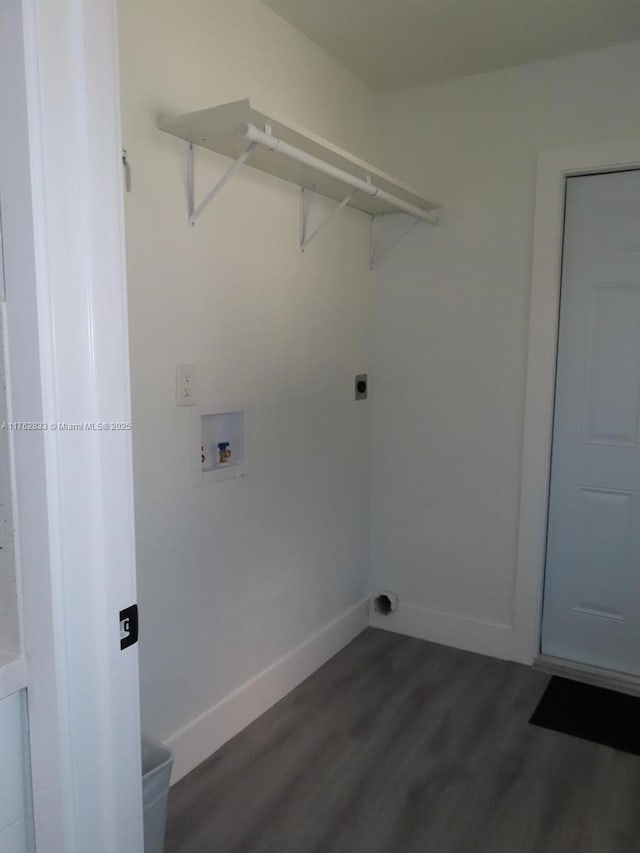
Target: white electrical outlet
x,y
186,385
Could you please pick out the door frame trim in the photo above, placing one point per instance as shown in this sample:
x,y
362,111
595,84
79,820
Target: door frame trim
x,y
68,364
554,166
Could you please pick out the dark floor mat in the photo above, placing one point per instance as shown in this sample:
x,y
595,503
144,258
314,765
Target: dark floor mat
x,y
590,713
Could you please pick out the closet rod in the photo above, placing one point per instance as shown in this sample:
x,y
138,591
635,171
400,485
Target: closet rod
x,y
253,134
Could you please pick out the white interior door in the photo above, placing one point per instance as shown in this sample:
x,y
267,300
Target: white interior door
x,y
592,581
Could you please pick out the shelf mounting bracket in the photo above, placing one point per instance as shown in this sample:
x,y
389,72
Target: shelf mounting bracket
x,y
305,238
376,256
194,212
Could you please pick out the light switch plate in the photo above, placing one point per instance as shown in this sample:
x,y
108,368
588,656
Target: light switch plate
x,y
186,385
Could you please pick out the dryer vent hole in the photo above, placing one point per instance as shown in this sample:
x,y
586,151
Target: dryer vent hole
x,y
384,603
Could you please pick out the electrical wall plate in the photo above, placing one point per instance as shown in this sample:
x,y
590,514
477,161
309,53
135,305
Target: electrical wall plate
x,y
186,385
361,386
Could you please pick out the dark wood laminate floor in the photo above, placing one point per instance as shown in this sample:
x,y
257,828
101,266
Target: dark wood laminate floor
x,y
402,746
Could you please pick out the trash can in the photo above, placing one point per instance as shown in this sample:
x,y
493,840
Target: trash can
x,y
157,761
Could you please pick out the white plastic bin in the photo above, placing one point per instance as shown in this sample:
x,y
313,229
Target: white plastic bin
x,y
157,761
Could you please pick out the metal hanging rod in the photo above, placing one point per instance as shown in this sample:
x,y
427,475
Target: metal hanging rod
x,y
263,137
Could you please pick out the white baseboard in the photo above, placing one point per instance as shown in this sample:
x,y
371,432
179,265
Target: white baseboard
x,y
448,629
597,676
200,738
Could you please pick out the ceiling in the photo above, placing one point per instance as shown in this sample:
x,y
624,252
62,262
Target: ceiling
x,y
392,44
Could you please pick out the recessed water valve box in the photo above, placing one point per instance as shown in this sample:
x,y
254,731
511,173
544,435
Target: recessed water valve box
x,y
219,446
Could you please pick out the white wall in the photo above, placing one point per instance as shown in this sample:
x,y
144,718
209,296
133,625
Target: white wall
x,y
237,577
450,332
234,576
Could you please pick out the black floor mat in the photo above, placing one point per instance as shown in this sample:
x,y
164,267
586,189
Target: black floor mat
x,y
590,713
